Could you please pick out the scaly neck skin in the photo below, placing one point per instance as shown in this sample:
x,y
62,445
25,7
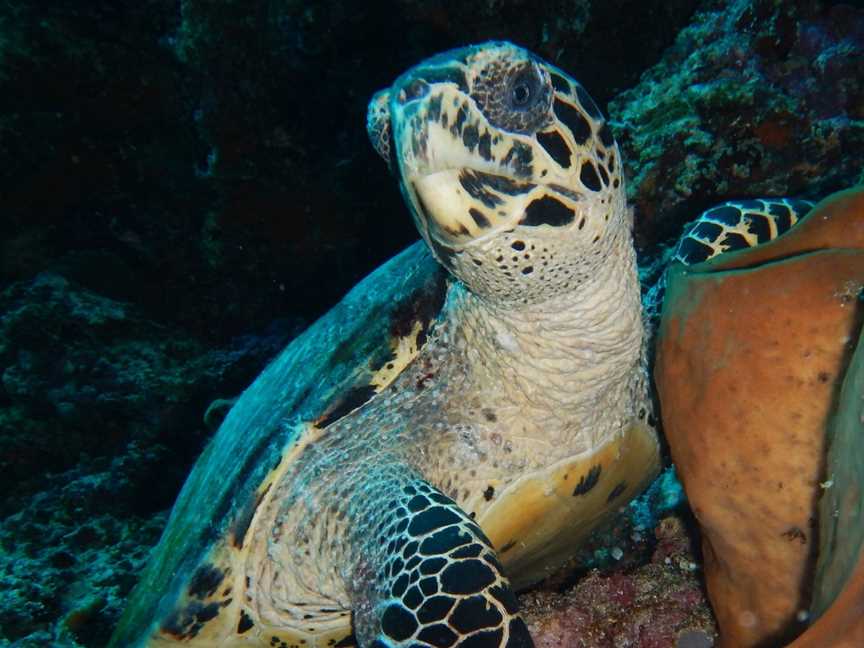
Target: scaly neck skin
x,y
569,366
497,393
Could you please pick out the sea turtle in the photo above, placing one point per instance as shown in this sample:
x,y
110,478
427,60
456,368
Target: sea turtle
x,y
466,415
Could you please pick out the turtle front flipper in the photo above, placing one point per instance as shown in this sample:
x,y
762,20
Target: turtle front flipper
x,y
436,580
738,225
731,226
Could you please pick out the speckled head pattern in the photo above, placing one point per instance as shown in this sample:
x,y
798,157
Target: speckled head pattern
x,y
509,168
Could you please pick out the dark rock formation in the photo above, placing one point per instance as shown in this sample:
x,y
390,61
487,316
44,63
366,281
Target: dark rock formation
x,y
101,413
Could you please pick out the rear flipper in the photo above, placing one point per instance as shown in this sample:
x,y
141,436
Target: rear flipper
x,y
431,578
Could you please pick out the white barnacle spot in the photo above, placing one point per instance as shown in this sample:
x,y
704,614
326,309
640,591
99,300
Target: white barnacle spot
x,y
506,341
466,433
849,292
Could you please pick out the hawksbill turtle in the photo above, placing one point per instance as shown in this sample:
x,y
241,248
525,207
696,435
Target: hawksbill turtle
x,y
453,428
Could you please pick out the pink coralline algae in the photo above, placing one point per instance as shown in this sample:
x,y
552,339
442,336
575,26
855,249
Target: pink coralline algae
x,y
658,605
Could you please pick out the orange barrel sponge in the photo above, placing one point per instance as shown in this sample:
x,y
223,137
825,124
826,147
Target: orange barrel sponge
x,y
751,353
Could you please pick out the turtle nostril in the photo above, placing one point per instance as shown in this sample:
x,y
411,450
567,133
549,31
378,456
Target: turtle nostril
x,y
417,89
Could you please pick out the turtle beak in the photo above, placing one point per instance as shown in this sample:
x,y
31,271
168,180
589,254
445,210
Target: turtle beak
x,y
448,209
429,159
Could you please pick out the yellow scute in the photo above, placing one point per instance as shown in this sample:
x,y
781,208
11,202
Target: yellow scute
x,y
538,523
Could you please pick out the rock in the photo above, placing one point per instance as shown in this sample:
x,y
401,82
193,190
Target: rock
x,y
750,353
84,375
78,587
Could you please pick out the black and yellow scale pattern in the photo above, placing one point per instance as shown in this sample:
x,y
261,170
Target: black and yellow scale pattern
x,y
726,227
443,583
738,224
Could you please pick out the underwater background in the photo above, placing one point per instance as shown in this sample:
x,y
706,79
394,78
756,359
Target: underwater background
x,y
185,185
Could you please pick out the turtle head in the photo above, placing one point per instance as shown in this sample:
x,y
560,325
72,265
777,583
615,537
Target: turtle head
x,y
509,168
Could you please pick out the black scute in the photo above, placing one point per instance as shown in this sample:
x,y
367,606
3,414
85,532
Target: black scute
x,y
519,635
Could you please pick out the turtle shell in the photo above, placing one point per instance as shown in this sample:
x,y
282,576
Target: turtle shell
x,y
341,361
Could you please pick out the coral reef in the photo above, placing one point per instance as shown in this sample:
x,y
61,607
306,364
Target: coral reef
x,y
748,365
100,414
83,375
72,551
755,98
656,605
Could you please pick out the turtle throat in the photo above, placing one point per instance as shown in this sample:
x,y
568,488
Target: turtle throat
x,y
566,360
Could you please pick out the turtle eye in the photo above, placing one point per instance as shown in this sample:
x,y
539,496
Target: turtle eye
x,y
521,93
523,90
516,97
